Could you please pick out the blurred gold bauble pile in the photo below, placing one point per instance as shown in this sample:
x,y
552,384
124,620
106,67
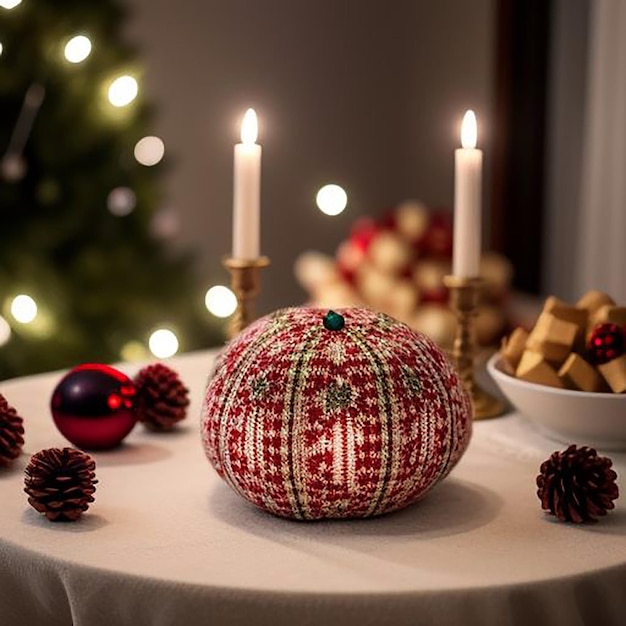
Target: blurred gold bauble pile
x,y
396,265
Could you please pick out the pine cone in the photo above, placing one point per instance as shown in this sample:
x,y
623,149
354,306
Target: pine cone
x,y
162,398
60,483
11,433
577,485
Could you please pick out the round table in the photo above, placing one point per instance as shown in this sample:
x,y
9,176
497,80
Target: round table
x,y
167,542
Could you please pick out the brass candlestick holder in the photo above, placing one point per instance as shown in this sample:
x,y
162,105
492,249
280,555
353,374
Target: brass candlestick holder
x,y
464,295
245,281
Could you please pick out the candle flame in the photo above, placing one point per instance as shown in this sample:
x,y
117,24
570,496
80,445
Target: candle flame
x,y
249,127
469,130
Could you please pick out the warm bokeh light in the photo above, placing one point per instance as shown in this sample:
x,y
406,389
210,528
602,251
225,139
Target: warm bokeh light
x,y
9,4
24,309
163,343
77,49
469,130
123,91
121,201
134,351
1,49
220,301
5,331
249,127
331,199
149,150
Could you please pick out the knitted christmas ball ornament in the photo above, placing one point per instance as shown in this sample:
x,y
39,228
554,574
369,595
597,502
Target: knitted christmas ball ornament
x,y
313,414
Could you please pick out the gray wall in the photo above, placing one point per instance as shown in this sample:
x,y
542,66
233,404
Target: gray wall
x,y
363,93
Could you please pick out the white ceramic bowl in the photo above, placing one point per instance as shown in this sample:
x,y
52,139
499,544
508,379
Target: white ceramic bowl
x,y
592,419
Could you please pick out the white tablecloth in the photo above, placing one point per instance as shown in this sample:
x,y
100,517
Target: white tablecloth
x,y
166,542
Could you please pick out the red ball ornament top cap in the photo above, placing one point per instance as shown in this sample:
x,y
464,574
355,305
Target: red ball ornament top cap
x,y
312,414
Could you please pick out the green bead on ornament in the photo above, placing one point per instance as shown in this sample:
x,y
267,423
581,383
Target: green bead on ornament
x,y
334,321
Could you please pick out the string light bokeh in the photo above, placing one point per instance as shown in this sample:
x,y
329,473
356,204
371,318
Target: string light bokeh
x,y
331,199
163,343
77,49
149,151
23,309
220,301
9,4
122,91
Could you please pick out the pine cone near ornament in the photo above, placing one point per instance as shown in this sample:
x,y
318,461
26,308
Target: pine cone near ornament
x,y
60,483
11,433
162,398
577,485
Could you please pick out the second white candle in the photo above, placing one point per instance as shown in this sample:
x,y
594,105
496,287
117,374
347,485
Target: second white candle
x,y
468,162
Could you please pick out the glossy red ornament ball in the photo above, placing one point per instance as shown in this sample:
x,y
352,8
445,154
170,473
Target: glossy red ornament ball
x,y
607,342
93,406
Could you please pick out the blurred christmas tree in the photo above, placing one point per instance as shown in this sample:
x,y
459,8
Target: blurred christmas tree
x,y
79,196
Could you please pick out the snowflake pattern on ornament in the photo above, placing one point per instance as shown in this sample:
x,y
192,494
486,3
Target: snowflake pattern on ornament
x,y
338,396
259,387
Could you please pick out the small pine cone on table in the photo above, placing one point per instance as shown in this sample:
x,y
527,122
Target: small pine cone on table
x,y
11,433
162,398
576,485
60,483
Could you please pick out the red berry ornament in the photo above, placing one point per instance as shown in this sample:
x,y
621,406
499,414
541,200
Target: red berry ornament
x,y
363,232
93,406
607,342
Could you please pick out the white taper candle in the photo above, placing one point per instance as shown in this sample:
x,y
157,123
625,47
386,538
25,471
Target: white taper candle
x,y
468,163
247,191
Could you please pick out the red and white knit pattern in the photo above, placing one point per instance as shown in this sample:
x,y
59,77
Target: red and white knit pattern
x,y
312,423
